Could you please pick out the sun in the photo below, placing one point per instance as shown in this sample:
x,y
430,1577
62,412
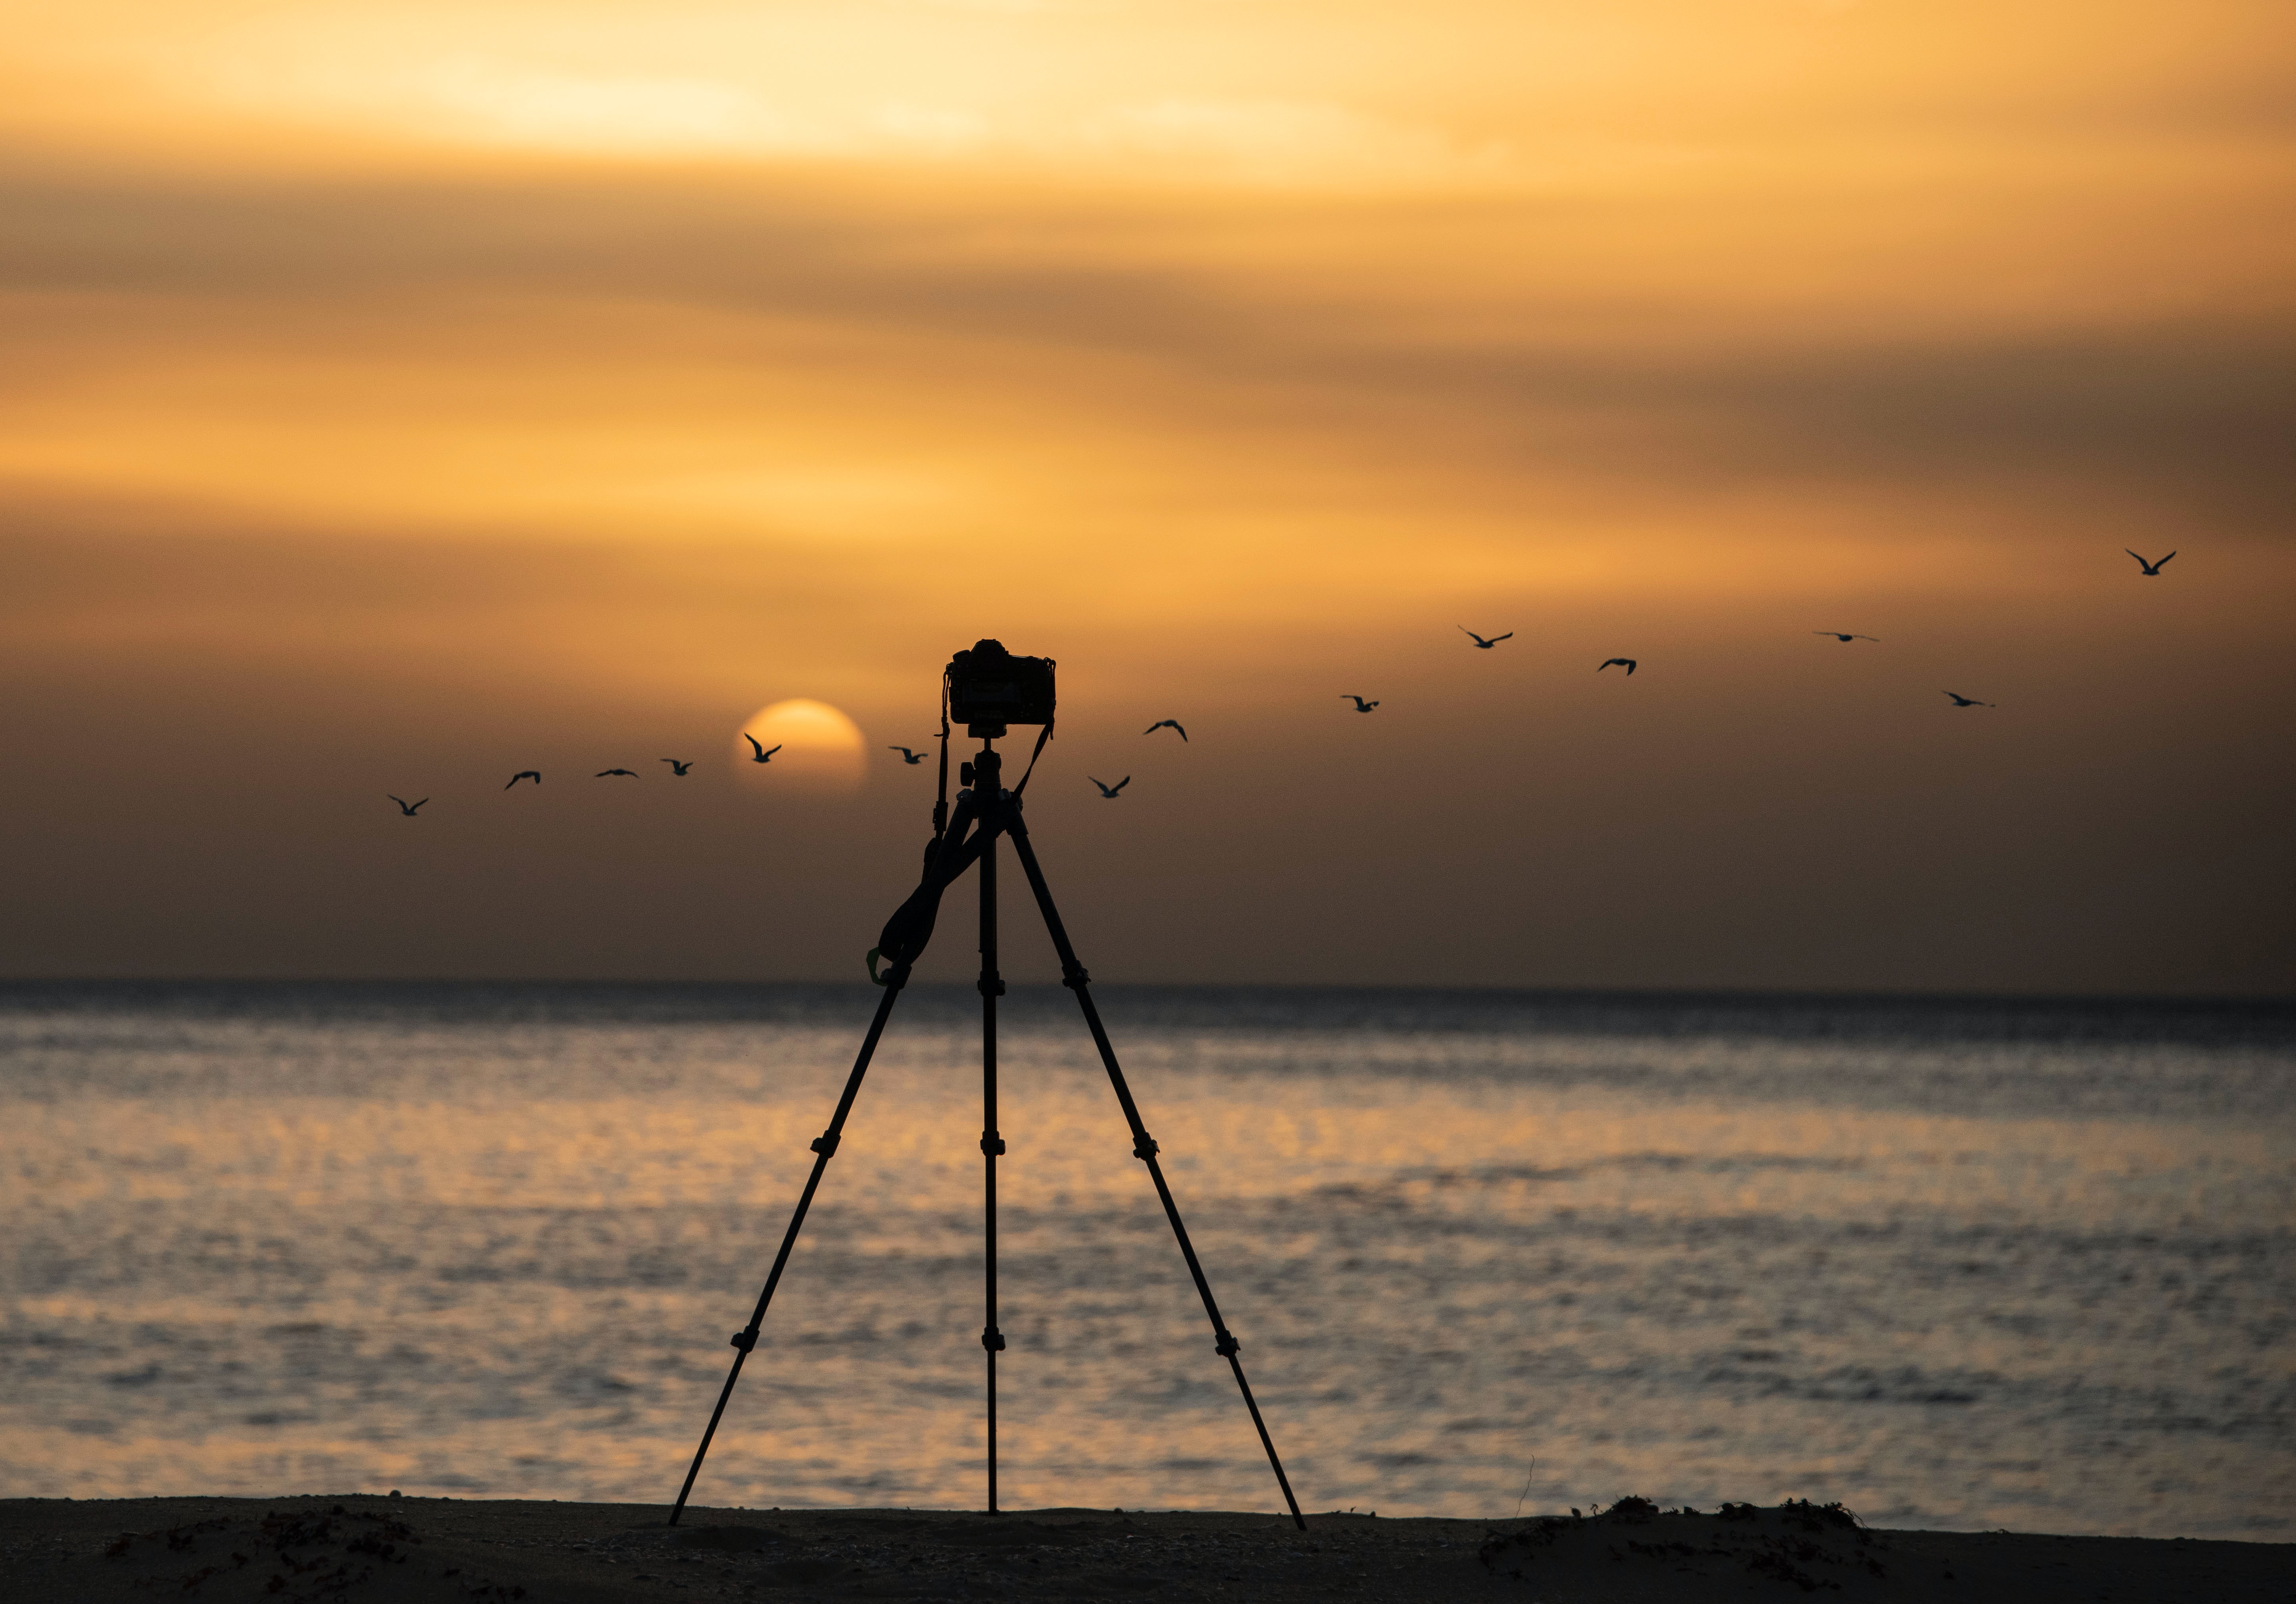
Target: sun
x,y
823,752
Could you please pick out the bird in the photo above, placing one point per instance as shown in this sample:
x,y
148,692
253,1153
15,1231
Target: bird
x,y
525,774
1110,791
405,806
906,755
1479,640
2152,570
1161,724
1362,706
1846,639
1626,662
765,754
676,767
1961,701
604,773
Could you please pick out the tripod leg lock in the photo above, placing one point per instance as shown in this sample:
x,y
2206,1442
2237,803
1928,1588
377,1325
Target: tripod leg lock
x,y
1225,1344
992,1339
1076,978
991,986
825,1144
992,1144
1145,1148
745,1339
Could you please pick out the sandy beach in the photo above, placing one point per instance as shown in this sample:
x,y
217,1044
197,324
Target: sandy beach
x,y
417,1551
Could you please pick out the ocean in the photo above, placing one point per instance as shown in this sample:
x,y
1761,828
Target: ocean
x,y
1967,1264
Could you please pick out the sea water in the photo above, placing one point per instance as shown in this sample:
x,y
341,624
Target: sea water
x,y
1955,1264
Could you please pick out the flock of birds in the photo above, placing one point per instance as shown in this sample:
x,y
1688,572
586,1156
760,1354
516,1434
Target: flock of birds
x,y
761,753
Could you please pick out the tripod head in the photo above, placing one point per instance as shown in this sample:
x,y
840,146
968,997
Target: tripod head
x,y
987,766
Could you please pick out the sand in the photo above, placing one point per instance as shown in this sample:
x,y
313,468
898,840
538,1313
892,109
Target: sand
x,y
401,1551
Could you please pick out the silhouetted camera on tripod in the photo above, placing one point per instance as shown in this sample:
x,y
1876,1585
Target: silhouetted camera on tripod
x,y
989,689
986,689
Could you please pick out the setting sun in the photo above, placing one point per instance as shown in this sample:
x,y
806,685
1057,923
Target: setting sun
x,y
814,749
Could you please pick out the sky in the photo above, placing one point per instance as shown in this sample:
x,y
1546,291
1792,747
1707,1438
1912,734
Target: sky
x,y
395,397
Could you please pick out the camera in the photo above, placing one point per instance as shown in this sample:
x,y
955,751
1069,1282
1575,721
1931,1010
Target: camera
x,y
988,688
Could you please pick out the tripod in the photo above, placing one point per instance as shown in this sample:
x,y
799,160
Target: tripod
x,y
984,811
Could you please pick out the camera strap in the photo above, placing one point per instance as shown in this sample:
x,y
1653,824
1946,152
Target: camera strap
x,y
1043,736
940,807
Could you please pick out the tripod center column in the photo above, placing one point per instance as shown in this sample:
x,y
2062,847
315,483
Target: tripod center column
x,y
990,803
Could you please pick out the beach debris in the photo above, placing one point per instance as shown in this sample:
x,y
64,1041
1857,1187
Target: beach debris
x,y
1809,1547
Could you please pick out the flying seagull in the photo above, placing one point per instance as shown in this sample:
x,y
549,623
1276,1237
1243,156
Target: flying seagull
x,y
906,755
1479,640
1628,663
1110,791
405,806
1362,706
604,773
525,774
1846,639
1152,729
765,754
1961,701
677,768
2152,570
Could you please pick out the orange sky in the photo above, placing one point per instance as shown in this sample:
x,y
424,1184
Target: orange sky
x,y
403,395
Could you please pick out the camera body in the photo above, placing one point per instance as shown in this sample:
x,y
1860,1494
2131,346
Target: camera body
x,y
989,689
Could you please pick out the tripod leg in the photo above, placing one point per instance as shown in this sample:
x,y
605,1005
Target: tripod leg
x,y
823,1147
1143,1146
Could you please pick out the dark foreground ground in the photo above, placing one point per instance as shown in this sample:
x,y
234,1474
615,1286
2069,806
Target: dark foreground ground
x,y
364,1550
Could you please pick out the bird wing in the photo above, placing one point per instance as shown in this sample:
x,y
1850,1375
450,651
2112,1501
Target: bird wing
x,y
776,746
1471,635
400,800
1121,783
1497,638
2163,562
1177,725
752,740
